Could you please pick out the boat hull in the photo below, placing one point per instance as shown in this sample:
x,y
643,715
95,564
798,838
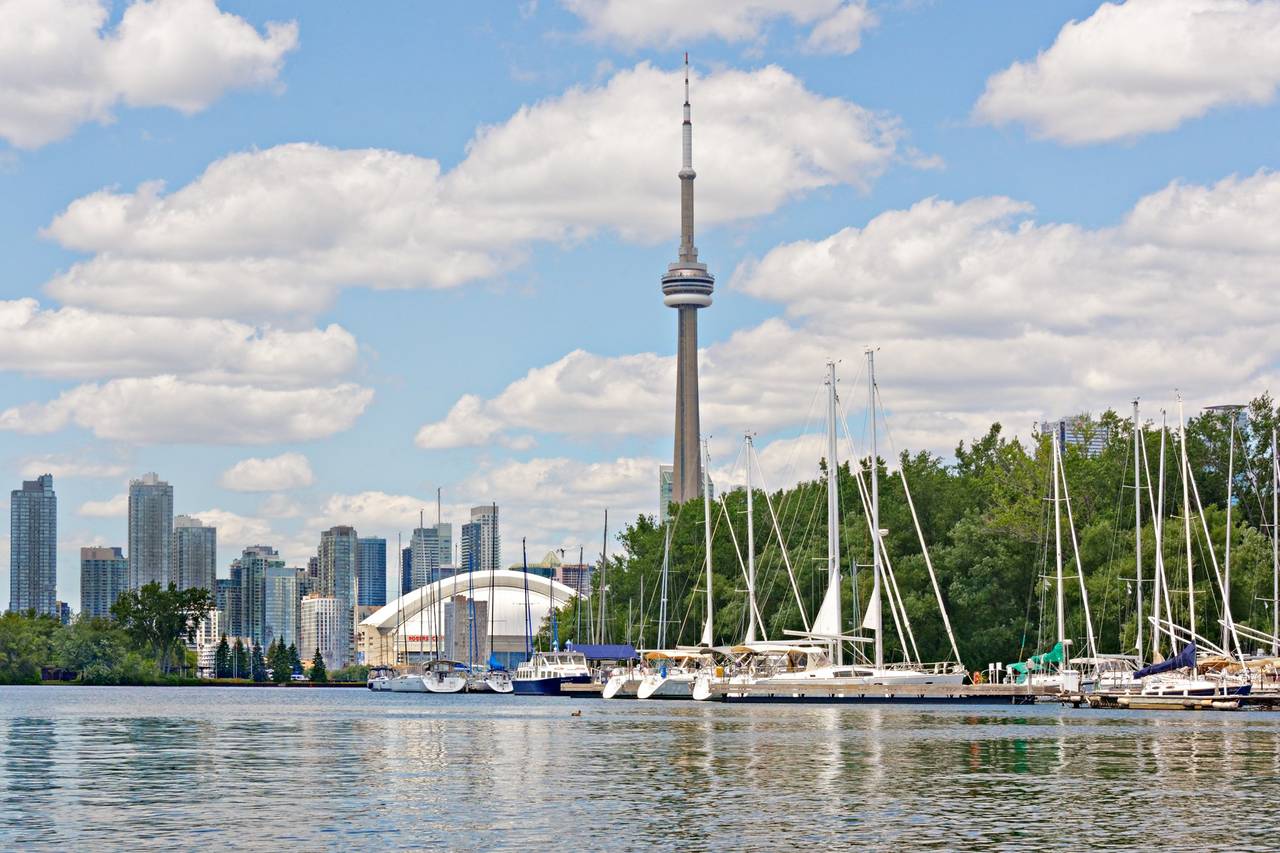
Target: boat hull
x,y
448,684
620,687
408,684
546,686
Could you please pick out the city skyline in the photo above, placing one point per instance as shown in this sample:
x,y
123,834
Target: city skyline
x,y
1007,234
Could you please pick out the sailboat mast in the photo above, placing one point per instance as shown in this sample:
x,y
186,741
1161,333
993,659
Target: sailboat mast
x,y
1226,560
706,527
751,549
601,633
834,623
1161,586
1057,544
876,571
662,604
1186,518
1275,544
1137,519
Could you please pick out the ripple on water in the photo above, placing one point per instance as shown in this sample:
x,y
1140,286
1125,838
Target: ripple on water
x,y
121,767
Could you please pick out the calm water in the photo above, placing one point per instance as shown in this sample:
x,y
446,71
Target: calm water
x,y
102,768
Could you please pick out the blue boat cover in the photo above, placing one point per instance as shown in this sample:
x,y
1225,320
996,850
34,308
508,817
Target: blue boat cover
x,y
496,664
603,651
1184,659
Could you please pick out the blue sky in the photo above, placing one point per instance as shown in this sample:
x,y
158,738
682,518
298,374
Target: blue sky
x,y
419,246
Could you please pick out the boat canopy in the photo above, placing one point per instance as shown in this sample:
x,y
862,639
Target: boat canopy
x,y
1184,659
676,654
603,651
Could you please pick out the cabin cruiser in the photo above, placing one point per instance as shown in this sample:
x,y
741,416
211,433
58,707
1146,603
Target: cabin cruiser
x,y
544,674
380,678
409,682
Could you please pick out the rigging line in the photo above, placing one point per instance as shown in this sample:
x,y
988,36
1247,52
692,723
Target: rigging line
x,y
724,511
782,547
924,547
1225,606
1115,538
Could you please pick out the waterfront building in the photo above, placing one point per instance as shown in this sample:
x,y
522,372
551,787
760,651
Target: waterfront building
x,y
466,629
104,574
281,605
481,541
322,627
33,547
373,571
687,287
226,592
1079,431
249,572
403,631
665,474
150,532
63,611
195,548
206,642
339,566
576,576
431,547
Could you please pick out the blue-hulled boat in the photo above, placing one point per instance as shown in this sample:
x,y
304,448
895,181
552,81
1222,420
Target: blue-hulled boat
x,y
544,674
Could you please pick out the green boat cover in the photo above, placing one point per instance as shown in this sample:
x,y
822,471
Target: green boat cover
x,y
1035,663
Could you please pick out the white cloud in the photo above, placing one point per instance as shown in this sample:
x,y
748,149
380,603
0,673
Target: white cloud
x,y
169,410
236,532
74,343
114,507
278,473
1142,67
278,232
71,466
279,506
670,23
981,313
59,69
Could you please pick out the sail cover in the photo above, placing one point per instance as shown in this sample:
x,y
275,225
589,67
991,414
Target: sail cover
x,y
1184,659
1035,663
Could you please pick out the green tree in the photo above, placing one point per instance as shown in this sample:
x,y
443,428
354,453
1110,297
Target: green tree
x,y
26,644
161,620
258,664
222,659
239,660
280,661
318,672
295,662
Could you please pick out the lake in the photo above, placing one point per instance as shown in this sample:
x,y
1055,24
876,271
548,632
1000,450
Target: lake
x,y
235,768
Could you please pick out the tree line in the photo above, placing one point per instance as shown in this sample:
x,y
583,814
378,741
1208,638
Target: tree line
x,y
987,518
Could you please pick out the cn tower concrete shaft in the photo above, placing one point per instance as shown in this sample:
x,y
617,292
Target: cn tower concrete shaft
x,y
687,476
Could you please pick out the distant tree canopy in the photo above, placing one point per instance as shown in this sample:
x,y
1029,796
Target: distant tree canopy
x,y
988,523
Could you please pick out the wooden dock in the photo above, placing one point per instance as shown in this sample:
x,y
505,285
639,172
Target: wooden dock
x,y
818,692
1138,702
590,690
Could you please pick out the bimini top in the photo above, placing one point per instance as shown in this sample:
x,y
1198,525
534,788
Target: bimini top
x,y
603,651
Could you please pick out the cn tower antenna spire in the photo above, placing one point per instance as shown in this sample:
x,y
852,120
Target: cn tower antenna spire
x,y
687,286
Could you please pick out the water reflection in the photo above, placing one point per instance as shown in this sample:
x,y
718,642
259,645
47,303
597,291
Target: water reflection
x,y
83,768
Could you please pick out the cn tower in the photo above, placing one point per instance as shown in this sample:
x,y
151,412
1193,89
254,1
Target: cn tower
x,y
687,286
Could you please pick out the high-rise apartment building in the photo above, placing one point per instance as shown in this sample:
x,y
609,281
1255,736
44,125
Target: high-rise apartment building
x,y
373,571
1079,431
339,566
104,574
406,570
431,548
322,627
33,547
481,542
282,605
665,476
195,548
150,532
227,598
249,571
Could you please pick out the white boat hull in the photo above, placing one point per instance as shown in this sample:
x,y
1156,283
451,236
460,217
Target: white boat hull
x,y
621,687
408,684
674,686
446,684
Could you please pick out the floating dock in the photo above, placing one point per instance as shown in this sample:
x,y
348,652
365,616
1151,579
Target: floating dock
x,y
590,690
817,692
1138,702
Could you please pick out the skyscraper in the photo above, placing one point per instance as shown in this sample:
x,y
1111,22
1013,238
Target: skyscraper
x,y
104,574
406,570
33,546
432,547
249,573
322,628
665,474
481,540
339,565
373,572
687,286
150,532
195,553
282,605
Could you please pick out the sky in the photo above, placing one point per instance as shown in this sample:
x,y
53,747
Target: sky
x,y
311,264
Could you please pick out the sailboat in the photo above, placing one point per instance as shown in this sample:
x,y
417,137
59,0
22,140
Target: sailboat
x,y
817,654
674,672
